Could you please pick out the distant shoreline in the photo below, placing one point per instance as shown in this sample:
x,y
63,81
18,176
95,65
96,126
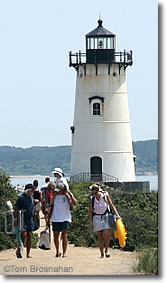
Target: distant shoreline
x,y
28,176
67,175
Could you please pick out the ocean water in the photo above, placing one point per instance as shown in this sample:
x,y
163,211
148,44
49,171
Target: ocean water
x,y
152,179
23,180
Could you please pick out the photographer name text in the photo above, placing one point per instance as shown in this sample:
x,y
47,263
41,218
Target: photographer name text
x,y
37,269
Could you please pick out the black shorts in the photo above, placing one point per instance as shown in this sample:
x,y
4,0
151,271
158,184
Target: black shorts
x,y
60,226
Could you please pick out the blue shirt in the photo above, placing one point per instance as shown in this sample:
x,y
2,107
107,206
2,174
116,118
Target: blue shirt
x,y
27,204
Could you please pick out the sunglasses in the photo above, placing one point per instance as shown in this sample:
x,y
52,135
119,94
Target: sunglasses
x,y
95,190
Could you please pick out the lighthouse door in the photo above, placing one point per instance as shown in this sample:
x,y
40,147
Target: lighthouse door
x,y
96,168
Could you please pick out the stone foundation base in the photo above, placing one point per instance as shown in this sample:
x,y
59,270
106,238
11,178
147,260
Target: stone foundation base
x,y
137,186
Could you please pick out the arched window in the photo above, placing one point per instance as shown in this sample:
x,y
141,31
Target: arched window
x,y
96,106
96,109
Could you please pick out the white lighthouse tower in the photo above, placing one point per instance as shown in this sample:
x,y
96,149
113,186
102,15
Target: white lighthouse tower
x,y
101,131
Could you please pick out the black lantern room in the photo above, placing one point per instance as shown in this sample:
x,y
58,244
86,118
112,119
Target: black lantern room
x,y
100,49
100,45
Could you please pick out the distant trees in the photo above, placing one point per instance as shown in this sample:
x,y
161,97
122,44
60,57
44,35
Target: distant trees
x,y
146,155
34,160
42,160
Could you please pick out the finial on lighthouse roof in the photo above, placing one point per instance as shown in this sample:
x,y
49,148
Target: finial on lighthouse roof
x,y
100,31
100,22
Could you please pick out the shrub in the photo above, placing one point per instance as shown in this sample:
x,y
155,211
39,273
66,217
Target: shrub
x,y
6,241
35,239
79,233
7,192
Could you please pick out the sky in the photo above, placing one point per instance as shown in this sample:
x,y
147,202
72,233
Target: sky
x,y
37,86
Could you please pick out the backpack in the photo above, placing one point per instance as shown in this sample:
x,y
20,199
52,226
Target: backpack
x,y
110,215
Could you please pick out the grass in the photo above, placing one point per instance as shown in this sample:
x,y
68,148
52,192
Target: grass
x,y
148,262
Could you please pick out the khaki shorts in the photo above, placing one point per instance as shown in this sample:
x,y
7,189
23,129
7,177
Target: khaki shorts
x,y
38,206
100,223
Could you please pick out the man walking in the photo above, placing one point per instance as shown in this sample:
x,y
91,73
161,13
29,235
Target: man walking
x,y
61,216
25,202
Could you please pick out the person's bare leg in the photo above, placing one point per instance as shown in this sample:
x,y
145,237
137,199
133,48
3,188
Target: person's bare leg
x,y
107,240
56,242
64,242
23,237
100,242
29,243
38,214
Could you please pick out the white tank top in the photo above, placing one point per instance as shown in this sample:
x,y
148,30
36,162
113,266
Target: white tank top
x,y
100,205
61,211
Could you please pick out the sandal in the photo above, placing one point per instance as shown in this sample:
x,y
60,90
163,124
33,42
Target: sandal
x,y
18,255
58,255
107,255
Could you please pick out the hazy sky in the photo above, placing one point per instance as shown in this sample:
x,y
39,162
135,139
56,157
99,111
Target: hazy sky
x,y
37,87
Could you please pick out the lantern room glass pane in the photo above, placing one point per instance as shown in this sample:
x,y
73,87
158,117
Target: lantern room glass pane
x,y
101,43
111,43
95,43
106,43
114,43
104,40
89,44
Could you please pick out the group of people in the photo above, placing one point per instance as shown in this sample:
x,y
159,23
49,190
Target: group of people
x,y
55,200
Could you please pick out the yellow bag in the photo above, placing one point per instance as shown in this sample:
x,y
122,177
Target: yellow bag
x,y
120,233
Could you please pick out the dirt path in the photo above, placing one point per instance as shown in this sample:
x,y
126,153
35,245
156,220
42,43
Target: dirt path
x,y
80,261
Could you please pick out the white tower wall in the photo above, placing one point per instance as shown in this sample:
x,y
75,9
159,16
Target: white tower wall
x,y
109,135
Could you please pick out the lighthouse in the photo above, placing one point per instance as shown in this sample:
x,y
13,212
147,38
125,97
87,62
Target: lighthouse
x,y
101,130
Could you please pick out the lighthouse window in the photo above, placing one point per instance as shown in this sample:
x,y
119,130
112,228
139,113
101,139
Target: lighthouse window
x,y
96,109
99,43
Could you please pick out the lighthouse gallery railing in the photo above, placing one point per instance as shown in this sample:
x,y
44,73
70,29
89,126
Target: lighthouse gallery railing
x,y
125,57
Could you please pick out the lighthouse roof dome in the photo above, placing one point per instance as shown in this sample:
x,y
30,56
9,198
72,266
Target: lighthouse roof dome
x,y
100,31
